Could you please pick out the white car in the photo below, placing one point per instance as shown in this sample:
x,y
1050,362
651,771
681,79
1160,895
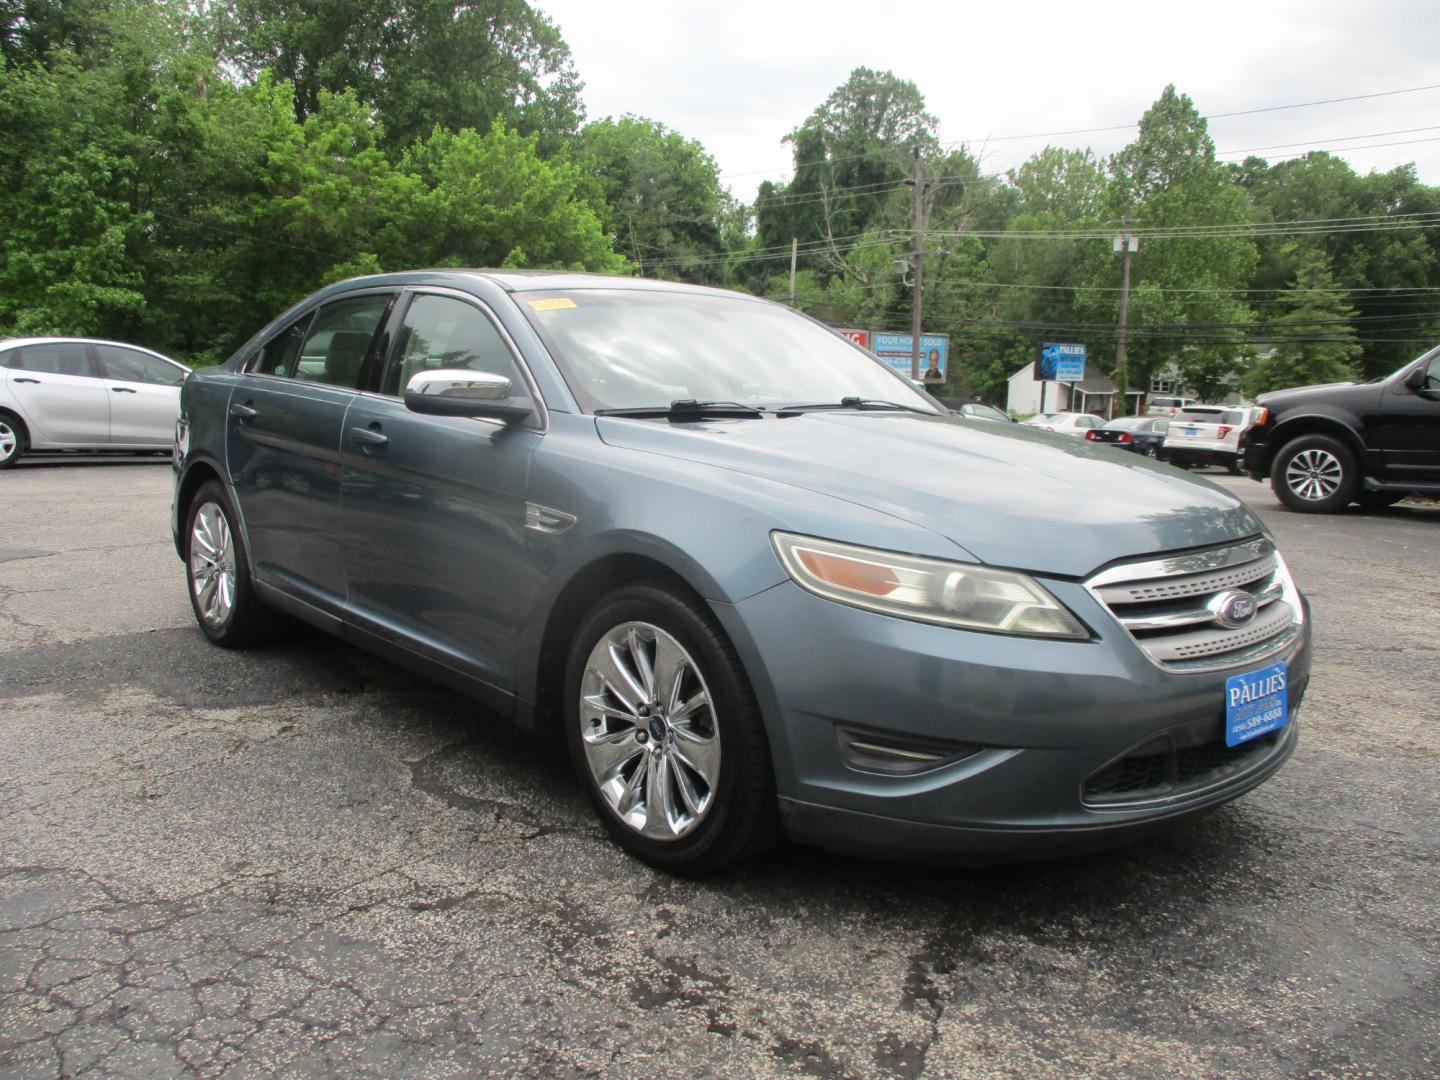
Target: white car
x,y
1065,423
1167,406
1206,435
80,394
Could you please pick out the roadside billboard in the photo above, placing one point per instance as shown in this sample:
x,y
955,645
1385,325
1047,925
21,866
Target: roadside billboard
x,y
859,337
1056,362
895,350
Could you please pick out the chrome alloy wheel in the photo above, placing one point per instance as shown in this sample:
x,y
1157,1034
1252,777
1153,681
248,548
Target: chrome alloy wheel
x,y
212,564
649,732
1314,474
9,441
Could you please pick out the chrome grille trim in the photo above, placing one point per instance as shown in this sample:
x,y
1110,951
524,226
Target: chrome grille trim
x,y
1163,604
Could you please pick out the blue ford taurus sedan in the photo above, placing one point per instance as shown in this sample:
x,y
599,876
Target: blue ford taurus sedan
x,y
759,584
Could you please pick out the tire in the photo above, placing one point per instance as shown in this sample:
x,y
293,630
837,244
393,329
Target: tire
x,y
217,564
1315,474
1379,500
14,440
1152,453
691,794
1233,464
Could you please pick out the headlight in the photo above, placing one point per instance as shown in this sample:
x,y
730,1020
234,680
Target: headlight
x,y
930,590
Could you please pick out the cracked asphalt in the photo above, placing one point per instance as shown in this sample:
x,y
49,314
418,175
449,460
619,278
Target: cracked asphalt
x,y
299,860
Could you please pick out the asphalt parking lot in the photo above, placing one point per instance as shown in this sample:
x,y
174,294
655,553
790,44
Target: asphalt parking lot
x,y
300,860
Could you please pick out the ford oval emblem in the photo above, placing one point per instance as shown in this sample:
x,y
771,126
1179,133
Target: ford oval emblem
x,y
1233,608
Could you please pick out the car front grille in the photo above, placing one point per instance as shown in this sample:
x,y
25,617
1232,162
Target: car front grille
x,y
1173,606
1160,770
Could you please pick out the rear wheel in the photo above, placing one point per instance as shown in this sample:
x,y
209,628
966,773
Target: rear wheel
x,y
1233,464
218,572
1315,474
13,442
665,734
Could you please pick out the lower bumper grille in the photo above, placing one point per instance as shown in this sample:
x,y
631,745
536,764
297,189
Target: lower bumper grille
x,y
1160,770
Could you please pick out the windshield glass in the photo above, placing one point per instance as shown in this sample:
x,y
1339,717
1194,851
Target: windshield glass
x,y
633,348
1126,423
1199,416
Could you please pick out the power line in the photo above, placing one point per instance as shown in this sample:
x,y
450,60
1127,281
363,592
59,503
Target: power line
x,y
1123,127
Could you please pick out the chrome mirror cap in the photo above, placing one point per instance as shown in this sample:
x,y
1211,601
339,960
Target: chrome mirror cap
x,y
459,383
457,392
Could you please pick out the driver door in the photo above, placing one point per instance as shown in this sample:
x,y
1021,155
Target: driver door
x,y
1410,427
433,507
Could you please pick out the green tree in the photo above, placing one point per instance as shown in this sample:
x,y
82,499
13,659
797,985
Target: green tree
x,y
418,63
852,157
659,196
1187,309
1314,340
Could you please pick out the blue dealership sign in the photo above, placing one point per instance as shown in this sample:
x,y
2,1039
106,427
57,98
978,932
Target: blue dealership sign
x,y
1060,363
895,350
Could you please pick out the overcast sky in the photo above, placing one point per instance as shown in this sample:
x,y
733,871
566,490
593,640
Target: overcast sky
x,y
738,75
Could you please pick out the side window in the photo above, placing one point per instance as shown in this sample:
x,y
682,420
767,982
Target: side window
x,y
279,354
339,340
1432,374
127,365
442,332
57,358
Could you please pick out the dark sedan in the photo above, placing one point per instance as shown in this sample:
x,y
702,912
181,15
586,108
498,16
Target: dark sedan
x,y
1139,434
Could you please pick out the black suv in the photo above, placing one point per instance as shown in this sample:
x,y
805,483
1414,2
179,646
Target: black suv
x,y
1324,447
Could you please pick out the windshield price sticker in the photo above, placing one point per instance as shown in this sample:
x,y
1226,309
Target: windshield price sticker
x,y
552,303
1256,703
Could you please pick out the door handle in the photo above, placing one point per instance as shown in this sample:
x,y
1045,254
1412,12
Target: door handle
x,y
121,390
366,437
244,412
35,381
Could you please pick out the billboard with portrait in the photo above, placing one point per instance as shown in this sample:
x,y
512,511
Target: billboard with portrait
x,y
895,350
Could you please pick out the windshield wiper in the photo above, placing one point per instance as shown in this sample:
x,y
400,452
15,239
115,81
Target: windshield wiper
x,y
862,404
687,409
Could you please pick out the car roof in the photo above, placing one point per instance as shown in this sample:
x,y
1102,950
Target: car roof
x,y
17,343
519,281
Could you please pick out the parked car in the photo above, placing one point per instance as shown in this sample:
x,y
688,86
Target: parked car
x,y
1065,423
1164,405
1138,434
79,394
1324,447
976,410
1206,435
759,585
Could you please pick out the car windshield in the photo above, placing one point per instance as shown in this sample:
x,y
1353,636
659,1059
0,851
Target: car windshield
x,y
1199,416
636,348
1127,423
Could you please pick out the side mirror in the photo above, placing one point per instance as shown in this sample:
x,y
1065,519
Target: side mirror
x,y
1418,379
456,392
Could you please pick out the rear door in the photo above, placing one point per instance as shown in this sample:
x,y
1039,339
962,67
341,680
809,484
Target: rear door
x,y
59,390
144,395
283,443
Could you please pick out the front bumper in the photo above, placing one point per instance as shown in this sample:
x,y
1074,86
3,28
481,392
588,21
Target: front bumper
x,y
1048,717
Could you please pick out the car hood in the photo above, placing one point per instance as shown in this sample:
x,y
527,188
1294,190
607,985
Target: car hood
x,y
1009,496
1318,394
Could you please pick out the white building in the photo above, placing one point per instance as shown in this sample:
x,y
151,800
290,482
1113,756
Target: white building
x,y
1024,396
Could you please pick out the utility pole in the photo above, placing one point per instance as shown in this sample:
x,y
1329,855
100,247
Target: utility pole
x,y
1125,243
919,295
794,250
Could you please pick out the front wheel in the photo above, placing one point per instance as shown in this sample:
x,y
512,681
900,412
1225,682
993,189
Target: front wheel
x,y
1315,474
218,573
665,733
12,442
